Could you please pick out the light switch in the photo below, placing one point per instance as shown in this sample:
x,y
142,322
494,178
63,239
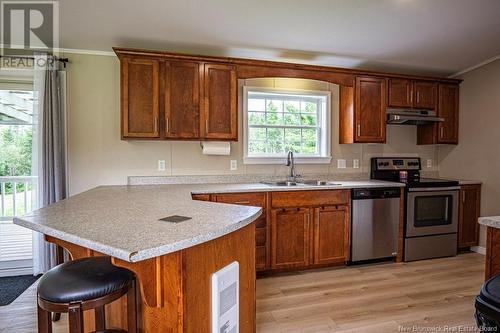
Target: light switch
x,y
355,163
161,165
341,164
233,165
429,163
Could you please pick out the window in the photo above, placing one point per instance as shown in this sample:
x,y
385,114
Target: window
x,y
277,120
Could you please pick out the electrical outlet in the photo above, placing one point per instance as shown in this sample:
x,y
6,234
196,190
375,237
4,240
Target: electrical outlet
x,y
355,163
161,165
341,164
233,165
429,163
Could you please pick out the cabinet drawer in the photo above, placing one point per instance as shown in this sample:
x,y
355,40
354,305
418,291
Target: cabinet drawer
x,y
247,199
261,221
309,198
260,258
260,237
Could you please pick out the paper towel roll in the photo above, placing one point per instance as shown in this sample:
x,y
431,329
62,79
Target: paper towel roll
x,y
216,148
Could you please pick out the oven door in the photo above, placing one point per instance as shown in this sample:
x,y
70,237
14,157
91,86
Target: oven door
x,y
432,211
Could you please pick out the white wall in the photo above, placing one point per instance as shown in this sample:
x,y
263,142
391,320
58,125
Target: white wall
x,y
97,155
477,155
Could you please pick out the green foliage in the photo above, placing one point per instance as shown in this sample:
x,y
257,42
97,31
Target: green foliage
x,y
15,152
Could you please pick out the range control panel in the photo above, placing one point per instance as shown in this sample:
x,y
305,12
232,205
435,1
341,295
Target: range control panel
x,y
388,163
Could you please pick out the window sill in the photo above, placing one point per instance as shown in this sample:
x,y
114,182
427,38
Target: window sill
x,y
282,160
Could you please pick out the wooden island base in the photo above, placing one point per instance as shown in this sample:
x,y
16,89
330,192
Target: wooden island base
x,y
175,288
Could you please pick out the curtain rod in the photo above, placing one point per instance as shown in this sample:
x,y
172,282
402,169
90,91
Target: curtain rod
x,y
63,60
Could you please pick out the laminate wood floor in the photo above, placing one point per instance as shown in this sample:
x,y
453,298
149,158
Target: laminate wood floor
x,y
373,298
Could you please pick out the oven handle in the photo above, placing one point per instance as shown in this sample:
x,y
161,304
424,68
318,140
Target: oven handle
x,y
433,189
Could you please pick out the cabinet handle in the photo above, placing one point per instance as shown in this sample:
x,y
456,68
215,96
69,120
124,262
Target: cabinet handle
x,y
241,202
167,125
463,196
359,129
441,132
411,97
156,124
206,126
418,96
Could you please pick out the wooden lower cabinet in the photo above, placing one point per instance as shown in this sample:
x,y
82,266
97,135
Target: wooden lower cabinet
x,y
331,235
297,230
469,212
290,237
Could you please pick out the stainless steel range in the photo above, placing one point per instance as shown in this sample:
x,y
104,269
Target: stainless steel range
x,y
431,208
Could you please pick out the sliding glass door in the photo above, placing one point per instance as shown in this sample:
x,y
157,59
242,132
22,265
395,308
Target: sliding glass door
x,y
17,186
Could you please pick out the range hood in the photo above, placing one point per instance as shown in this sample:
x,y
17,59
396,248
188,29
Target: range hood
x,y
411,117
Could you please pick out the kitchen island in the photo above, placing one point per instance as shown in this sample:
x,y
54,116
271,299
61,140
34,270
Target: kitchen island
x,y
173,261
492,262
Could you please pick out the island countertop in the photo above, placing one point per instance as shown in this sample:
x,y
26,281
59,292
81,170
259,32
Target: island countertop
x,y
124,221
490,221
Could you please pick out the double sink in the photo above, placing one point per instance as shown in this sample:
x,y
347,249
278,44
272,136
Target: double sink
x,y
301,183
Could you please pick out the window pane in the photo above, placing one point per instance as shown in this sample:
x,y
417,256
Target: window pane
x,y
309,107
292,106
256,104
309,138
292,140
255,134
256,118
274,105
274,118
257,147
292,119
308,119
275,140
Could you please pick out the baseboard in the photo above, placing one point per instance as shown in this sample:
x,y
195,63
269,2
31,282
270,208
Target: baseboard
x,y
478,249
16,271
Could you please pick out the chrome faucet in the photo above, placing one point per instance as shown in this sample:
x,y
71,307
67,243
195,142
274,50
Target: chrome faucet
x,y
290,161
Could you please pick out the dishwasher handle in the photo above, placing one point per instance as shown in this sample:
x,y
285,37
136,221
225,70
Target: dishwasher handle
x,y
375,193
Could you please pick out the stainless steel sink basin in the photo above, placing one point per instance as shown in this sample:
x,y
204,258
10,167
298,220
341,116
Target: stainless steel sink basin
x,y
282,183
301,183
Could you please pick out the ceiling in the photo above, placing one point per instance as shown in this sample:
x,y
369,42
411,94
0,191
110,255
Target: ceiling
x,y
437,37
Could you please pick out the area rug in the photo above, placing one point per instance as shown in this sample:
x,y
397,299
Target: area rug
x,y
13,286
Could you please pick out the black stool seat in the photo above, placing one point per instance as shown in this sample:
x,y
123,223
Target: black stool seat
x,y
83,279
488,305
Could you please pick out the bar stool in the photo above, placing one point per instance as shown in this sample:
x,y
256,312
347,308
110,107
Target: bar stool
x,y
84,284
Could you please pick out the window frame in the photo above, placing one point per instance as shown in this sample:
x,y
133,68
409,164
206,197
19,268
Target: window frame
x,y
324,155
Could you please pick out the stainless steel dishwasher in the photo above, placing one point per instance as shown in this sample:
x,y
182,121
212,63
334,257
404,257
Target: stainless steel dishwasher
x,y
374,223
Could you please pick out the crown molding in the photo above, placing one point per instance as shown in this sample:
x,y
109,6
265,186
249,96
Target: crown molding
x,y
476,66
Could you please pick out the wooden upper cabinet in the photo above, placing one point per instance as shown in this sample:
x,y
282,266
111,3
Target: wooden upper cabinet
x,y
219,118
425,95
331,235
369,110
182,99
445,132
290,237
469,212
140,95
448,109
404,93
400,93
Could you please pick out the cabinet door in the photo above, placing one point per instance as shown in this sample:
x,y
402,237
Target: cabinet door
x,y
370,110
448,109
468,226
182,100
331,235
290,236
400,93
425,95
140,98
220,114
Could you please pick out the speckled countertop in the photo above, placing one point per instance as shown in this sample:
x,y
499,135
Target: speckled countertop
x,y
123,221
490,221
